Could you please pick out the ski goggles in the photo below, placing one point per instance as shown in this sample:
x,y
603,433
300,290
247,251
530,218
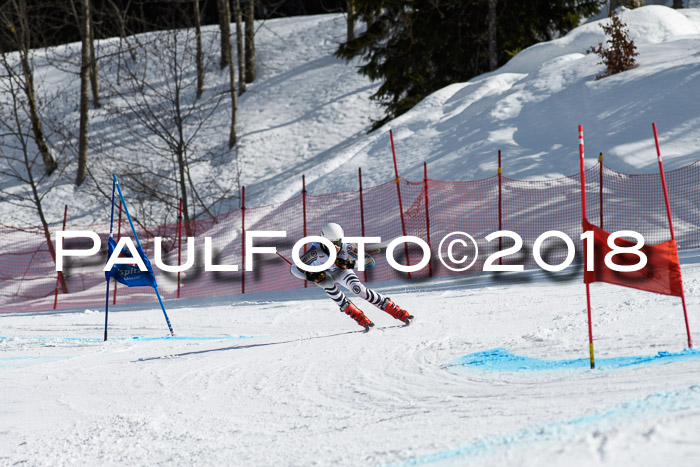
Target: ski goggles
x,y
337,243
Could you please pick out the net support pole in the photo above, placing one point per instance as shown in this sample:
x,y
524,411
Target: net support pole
x,y
119,235
427,212
500,206
179,244
600,178
670,225
60,281
303,203
584,217
398,191
111,225
243,239
362,213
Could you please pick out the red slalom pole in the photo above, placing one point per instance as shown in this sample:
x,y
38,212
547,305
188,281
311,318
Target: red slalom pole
x,y
600,160
58,275
670,224
427,214
119,234
179,245
585,217
362,212
243,238
398,190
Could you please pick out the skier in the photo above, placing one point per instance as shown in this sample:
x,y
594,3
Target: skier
x,y
342,273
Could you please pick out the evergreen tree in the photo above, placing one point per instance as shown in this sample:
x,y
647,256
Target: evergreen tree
x,y
419,46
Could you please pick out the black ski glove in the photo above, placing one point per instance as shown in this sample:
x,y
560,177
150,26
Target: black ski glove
x,y
315,276
345,263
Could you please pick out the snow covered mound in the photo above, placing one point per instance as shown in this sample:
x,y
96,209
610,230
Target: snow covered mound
x,y
530,109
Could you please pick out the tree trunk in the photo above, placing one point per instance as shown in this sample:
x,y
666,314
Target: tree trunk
x,y
677,4
225,29
493,44
239,45
49,162
93,65
35,198
351,19
84,93
614,5
228,51
23,45
250,42
198,40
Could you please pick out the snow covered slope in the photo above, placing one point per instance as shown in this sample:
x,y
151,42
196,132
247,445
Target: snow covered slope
x,y
308,113
530,109
492,372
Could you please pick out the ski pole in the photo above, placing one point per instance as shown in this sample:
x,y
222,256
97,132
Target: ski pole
x,y
288,262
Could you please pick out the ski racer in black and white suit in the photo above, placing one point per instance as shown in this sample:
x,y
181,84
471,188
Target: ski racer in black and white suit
x,y
342,273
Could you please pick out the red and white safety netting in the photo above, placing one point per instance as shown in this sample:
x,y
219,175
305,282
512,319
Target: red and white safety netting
x,y
432,209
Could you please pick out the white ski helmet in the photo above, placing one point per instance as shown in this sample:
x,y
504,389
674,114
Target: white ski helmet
x,y
334,233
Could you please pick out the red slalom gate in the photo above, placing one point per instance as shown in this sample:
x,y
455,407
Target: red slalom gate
x,y
398,191
584,216
670,226
660,270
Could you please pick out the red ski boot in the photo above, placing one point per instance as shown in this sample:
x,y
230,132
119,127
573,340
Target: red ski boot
x,y
355,313
395,311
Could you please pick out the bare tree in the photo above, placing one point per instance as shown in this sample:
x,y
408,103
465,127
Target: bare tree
x,y
250,41
225,29
93,59
172,129
15,35
121,17
199,54
85,64
228,52
18,159
239,45
493,44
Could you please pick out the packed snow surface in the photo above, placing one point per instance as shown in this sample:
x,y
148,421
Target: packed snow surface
x,y
492,371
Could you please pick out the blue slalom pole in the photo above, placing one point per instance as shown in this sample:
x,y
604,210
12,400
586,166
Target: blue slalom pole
x,y
162,307
138,243
111,224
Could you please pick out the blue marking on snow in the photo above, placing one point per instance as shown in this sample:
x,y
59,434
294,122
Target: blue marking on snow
x,y
503,360
135,338
657,404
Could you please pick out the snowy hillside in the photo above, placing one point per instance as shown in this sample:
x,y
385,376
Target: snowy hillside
x,y
530,108
308,113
